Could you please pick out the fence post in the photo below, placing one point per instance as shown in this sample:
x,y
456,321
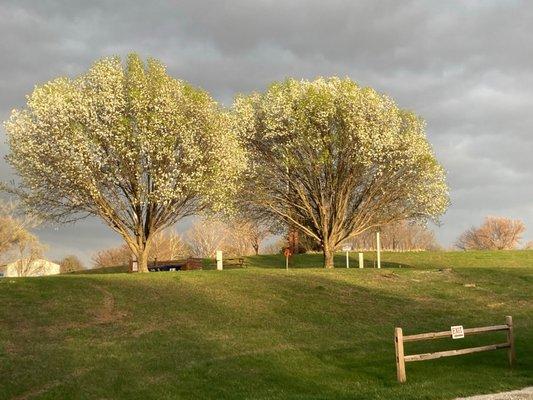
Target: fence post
x,y
361,262
378,248
219,260
347,259
510,339
400,361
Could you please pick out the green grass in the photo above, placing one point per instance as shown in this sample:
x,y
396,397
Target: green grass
x,y
421,259
264,333
103,270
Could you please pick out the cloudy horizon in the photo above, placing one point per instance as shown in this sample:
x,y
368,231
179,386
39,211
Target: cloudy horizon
x,y
464,66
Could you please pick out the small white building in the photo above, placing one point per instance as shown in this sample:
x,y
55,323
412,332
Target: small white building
x,y
29,267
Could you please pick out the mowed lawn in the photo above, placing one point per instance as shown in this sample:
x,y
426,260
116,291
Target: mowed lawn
x,y
264,333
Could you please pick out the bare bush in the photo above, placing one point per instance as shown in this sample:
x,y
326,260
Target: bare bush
x,y
496,233
71,263
258,232
17,243
168,245
112,257
165,245
246,235
206,236
234,237
276,247
28,253
11,233
238,238
14,230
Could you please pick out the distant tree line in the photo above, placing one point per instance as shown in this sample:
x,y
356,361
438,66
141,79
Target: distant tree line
x,y
234,237
398,236
242,238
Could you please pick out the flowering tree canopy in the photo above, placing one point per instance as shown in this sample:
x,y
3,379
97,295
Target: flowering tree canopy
x,y
333,159
127,143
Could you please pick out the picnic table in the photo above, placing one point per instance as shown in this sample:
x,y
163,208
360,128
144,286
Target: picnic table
x,y
185,264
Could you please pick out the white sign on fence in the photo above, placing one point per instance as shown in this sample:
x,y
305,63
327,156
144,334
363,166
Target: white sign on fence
x,y
347,248
457,332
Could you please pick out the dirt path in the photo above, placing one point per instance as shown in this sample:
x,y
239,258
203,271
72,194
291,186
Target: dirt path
x,y
106,313
522,394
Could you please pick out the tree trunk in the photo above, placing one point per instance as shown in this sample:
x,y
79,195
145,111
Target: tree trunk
x,y
328,256
142,260
139,250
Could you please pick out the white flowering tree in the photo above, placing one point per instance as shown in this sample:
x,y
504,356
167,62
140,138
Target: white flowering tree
x,y
333,159
127,143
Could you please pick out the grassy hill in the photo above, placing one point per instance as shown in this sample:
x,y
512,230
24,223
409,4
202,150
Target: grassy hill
x,y
265,333
420,259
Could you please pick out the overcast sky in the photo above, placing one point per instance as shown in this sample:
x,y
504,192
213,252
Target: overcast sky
x,y
465,66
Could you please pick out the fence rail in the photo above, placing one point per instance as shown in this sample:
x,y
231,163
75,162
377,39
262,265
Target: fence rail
x,y
402,358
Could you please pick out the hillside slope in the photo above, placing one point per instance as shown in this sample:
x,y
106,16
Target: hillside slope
x,y
257,333
416,259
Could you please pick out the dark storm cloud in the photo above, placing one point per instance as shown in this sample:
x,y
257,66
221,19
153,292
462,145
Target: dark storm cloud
x,y
464,66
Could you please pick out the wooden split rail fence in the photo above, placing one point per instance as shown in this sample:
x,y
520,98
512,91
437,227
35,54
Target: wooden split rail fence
x,y
402,358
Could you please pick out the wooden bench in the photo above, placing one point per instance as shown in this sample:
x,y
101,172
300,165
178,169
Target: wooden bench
x,y
235,262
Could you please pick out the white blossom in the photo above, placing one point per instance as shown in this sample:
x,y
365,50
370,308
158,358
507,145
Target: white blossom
x,y
334,159
127,143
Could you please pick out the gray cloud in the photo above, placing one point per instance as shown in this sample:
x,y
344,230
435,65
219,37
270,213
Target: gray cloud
x,y
465,66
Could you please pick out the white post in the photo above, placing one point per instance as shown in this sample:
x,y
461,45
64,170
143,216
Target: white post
x,y
219,260
378,249
347,250
347,259
134,265
361,264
